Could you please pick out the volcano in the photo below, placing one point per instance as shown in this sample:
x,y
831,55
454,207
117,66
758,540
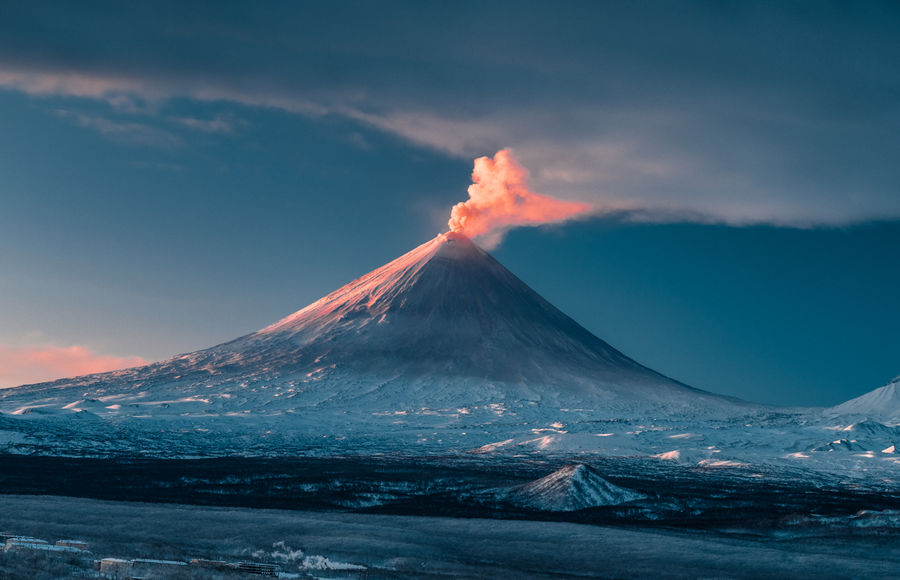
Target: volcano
x,y
574,487
443,335
882,404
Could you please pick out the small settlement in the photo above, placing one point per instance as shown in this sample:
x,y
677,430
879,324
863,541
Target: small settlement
x,y
124,569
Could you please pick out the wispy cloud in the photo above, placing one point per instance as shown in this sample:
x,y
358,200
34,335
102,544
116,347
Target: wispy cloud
x,y
125,132
651,121
33,364
643,172
111,88
218,124
635,165
140,92
459,137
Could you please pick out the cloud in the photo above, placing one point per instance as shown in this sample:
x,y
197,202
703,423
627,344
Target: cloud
x,y
459,137
34,364
122,90
39,82
499,200
218,124
126,132
684,113
643,161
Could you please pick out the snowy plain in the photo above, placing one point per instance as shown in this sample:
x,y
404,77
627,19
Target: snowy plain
x,y
435,547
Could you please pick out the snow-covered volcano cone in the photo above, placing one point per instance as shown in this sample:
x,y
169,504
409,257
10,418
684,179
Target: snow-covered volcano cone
x,y
882,404
444,327
443,313
574,487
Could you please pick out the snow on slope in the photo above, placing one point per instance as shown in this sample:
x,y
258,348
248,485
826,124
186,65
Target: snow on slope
x,y
444,326
882,404
441,349
574,487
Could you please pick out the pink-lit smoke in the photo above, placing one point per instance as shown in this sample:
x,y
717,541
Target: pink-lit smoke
x,y
32,364
499,199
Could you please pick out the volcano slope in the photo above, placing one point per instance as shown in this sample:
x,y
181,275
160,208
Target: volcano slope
x,y
442,348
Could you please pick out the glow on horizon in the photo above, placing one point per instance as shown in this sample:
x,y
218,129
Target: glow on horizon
x,y
34,364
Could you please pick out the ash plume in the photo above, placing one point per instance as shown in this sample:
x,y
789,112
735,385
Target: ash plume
x,y
499,200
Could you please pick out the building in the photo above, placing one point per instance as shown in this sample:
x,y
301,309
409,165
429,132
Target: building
x,y
26,543
115,568
72,544
143,566
13,542
258,569
215,564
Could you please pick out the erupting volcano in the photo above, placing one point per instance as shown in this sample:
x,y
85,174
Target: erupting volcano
x,y
442,335
443,340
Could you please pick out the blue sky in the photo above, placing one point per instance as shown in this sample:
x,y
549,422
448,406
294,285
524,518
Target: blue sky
x,y
172,177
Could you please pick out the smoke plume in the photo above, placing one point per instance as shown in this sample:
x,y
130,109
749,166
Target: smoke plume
x,y
499,199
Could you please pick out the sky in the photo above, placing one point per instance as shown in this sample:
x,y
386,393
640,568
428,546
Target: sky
x,y
175,175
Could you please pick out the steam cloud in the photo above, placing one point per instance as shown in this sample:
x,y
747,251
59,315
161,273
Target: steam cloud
x,y
499,199
284,554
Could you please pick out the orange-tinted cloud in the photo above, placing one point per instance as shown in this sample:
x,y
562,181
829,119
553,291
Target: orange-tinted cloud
x,y
499,199
33,364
